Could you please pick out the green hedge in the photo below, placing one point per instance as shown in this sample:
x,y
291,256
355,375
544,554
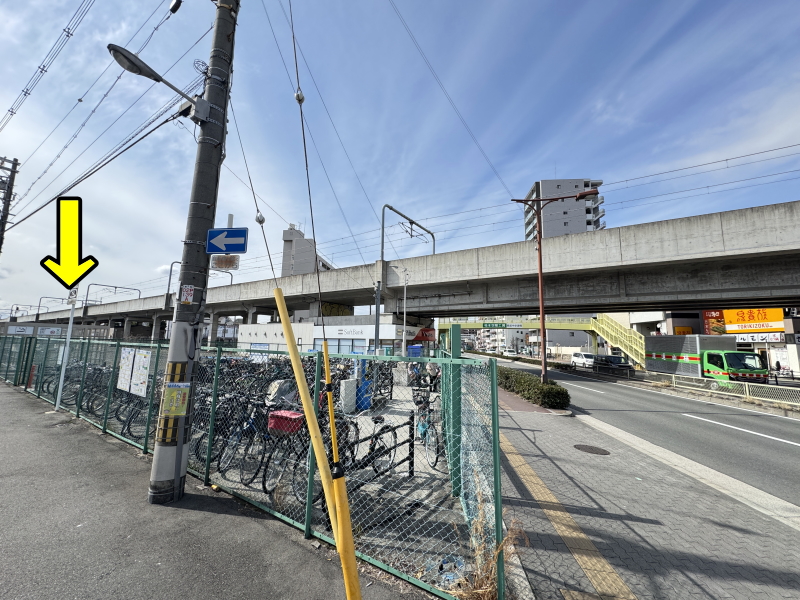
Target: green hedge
x,y
530,387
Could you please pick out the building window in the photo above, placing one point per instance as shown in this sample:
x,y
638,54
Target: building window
x,y
558,186
566,212
565,223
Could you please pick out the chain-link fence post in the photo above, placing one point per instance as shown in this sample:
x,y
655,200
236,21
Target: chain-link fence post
x,y
8,359
42,370
150,402
20,354
27,374
455,409
498,497
2,348
213,416
111,383
79,401
312,460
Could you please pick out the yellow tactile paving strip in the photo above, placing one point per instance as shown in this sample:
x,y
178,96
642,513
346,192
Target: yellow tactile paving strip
x,y
601,574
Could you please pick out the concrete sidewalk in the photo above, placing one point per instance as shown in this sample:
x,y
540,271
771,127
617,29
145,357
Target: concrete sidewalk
x,y
624,524
75,523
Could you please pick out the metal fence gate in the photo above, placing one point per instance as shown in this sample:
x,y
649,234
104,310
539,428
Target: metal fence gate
x,y
417,439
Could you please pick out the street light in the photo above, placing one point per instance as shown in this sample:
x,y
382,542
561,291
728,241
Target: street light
x,y
168,472
133,64
537,204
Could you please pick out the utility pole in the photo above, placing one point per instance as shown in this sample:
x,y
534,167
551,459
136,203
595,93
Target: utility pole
x,y
168,475
9,193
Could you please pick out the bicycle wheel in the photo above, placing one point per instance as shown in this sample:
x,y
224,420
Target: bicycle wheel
x,y
200,447
433,445
252,459
385,450
232,447
275,465
300,480
347,438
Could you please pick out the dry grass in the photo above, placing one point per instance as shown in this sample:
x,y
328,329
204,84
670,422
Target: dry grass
x,y
481,583
662,384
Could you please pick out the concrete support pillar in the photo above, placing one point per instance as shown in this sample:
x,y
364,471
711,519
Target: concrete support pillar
x,y
252,317
155,334
593,345
793,352
212,334
126,330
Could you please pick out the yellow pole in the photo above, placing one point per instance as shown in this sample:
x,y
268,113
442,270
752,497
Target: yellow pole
x,y
308,409
344,539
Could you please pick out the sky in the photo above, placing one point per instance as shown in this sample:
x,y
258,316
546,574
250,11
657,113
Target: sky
x,y
617,91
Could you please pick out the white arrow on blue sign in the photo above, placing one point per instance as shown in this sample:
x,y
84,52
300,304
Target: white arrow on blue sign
x,y
227,241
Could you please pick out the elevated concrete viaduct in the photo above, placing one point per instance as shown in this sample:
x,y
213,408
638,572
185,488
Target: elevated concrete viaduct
x,y
748,257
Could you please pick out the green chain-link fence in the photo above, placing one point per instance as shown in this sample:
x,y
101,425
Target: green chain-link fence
x,y
417,439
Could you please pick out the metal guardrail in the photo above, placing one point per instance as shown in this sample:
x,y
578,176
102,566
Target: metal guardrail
x,y
775,394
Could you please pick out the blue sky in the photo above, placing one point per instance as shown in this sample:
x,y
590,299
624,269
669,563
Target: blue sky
x,y
607,90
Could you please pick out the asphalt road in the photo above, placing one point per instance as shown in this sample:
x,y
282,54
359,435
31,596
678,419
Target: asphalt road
x,y
759,449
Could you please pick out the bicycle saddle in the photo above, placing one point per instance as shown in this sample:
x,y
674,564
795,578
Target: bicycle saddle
x,y
377,420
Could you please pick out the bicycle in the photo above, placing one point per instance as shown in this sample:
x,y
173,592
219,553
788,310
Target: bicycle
x,y
426,428
381,454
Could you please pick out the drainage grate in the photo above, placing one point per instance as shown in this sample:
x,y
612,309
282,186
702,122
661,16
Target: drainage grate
x,y
592,449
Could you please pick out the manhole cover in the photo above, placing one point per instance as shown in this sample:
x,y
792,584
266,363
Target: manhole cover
x,y
592,449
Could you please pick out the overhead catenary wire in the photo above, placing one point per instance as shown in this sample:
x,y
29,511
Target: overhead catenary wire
x,y
713,162
51,56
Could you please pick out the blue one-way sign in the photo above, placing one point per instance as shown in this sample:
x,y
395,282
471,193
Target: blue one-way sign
x,y
227,241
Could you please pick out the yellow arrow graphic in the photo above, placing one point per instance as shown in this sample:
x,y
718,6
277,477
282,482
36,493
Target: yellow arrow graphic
x,y
69,268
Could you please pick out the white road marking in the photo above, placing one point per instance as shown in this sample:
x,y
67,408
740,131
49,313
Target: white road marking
x,y
740,429
580,386
701,400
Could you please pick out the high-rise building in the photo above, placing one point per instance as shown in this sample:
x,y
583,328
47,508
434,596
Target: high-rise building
x,y
564,216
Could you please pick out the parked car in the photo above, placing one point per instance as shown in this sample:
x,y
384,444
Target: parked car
x,y
582,359
613,363
509,352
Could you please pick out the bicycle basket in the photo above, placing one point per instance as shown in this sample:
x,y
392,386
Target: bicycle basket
x,y
285,422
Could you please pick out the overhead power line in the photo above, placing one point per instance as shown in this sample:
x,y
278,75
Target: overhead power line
x,y
80,100
62,40
193,85
713,162
94,110
449,99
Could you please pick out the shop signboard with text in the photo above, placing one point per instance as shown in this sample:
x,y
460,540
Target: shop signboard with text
x,y
755,320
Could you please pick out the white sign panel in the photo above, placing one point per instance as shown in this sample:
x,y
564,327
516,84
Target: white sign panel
x,y
125,369
17,330
49,330
141,373
258,356
134,371
73,296
187,294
